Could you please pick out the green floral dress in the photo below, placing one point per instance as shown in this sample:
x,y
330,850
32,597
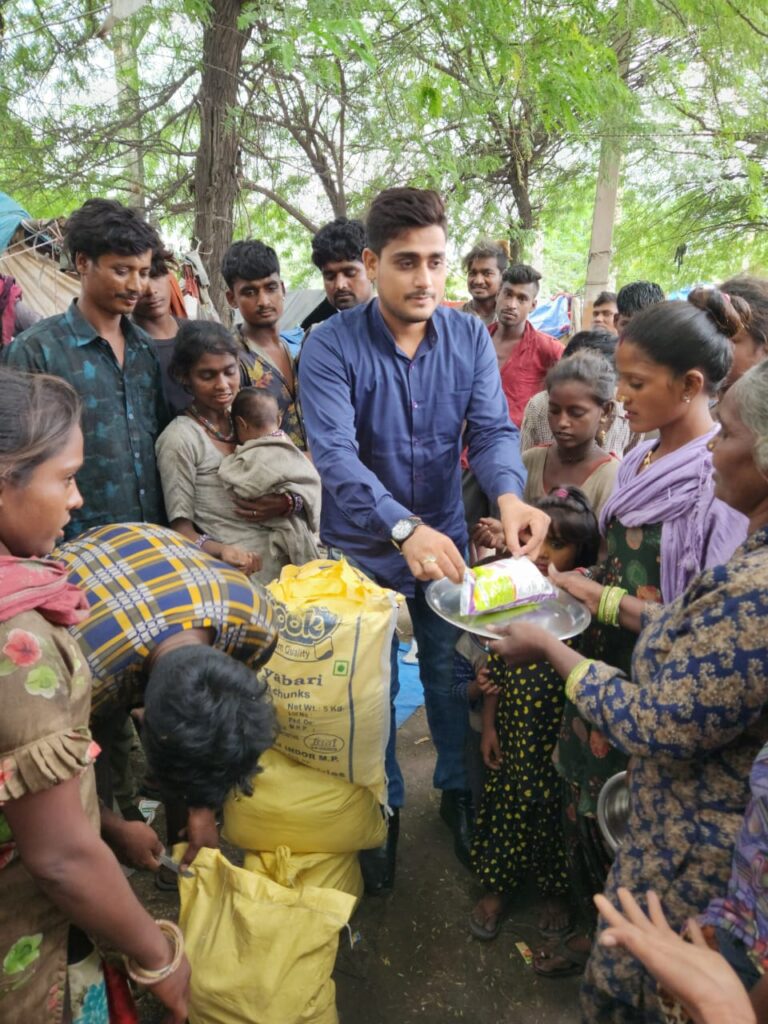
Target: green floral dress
x,y
45,701
583,756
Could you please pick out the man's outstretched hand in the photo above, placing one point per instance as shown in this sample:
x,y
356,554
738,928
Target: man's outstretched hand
x,y
431,555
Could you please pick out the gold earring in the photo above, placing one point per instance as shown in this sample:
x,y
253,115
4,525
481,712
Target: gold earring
x,y
601,433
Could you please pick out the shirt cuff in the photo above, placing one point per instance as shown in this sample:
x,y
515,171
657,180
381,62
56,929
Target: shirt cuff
x,y
384,516
508,483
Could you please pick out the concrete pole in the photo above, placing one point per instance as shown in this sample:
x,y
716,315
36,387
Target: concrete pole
x,y
124,47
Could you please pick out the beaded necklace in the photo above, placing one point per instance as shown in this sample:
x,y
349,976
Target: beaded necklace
x,y
212,430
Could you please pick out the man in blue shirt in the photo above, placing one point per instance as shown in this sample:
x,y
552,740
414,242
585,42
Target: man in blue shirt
x,y
390,391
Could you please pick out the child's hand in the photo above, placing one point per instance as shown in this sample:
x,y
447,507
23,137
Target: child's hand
x,y
490,748
488,533
484,684
694,974
522,645
247,562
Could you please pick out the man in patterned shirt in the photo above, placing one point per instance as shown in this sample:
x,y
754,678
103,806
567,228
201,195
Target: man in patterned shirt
x,y
110,363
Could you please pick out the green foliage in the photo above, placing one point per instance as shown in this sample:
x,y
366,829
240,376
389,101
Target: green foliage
x,y
500,105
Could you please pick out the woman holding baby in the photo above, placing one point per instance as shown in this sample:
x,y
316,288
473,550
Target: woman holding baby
x,y
234,520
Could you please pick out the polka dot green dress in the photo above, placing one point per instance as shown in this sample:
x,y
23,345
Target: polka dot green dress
x,y
518,829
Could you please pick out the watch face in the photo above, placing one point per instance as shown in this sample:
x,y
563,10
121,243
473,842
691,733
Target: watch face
x,y
402,529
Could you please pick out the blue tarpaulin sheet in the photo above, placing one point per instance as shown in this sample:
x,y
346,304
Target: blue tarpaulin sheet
x,y
411,695
552,317
683,293
11,215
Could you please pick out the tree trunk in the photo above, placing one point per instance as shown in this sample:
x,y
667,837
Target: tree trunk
x,y
600,246
216,167
522,229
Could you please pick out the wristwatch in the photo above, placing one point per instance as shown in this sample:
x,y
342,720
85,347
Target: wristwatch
x,y
403,529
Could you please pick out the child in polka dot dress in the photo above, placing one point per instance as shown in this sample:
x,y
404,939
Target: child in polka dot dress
x,y
518,831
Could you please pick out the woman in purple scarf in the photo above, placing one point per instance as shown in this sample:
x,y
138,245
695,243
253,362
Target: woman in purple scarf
x,y
661,526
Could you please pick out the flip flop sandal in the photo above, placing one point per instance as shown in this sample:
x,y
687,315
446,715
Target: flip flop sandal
x,y
482,931
575,960
166,881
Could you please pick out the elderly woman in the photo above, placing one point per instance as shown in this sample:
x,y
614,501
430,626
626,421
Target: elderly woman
x,y
690,716
56,874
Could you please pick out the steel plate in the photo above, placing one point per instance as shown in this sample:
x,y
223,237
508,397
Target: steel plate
x,y
563,615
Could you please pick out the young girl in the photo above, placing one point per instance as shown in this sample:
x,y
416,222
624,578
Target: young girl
x,y
518,827
58,879
581,392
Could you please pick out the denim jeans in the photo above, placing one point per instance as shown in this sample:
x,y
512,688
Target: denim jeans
x,y
446,713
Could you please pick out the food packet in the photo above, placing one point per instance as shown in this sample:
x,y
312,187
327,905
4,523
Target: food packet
x,y
508,583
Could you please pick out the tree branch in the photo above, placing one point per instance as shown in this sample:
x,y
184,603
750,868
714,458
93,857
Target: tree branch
x,y
285,204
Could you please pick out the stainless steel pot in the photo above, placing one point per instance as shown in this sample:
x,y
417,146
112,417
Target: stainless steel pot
x,y
613,810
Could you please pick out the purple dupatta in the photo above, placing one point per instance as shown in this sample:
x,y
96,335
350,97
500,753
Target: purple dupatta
x,y
698,530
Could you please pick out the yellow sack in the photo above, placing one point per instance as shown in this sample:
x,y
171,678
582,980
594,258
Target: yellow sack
x,y
330,672
323,870
295,806
260,953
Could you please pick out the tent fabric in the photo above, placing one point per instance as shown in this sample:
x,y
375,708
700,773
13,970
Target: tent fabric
x,y
298,305
682,293
46,289
552,317
11,215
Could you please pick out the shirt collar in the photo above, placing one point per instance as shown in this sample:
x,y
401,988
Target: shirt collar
x,y
83,332
431,336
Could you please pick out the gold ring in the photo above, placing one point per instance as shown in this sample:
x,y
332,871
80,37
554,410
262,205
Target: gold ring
x,y
428,559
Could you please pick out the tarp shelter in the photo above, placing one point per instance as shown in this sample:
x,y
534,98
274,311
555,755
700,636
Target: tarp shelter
x,y
11,215
552,317
27,253
299,305
681,294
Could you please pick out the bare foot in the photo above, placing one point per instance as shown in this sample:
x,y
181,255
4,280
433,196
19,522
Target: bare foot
x,y
555,916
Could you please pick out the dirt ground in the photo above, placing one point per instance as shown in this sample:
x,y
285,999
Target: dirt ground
x,y
414,959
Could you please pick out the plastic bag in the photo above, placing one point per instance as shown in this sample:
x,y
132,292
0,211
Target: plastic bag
x,y
330,673
295,806
508,583
261,953
324,870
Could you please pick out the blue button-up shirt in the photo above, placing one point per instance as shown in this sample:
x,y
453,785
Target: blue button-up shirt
x,y
124,411
385,431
